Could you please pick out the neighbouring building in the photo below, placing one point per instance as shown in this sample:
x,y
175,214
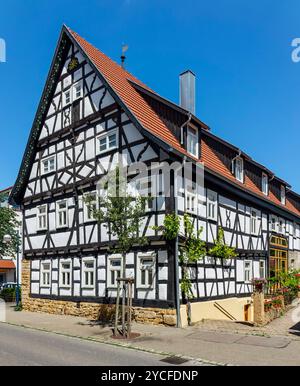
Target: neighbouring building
x,y
8,264
91,112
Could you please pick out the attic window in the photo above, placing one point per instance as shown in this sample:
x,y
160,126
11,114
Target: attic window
x,y
265,184
238,169
192,141
282,195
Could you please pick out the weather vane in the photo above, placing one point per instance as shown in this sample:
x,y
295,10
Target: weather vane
x,y
123,57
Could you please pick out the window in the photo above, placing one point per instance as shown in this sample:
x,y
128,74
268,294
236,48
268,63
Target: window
x,y
281,226
42,222
265,184
48,165
88,274
262,271
248,271
65,274
282,195
239,169
77,91
253,222
62,214
273,224
67,97
114,267
192,141
191,202
45,275
90,206
146,271
107,142
212,205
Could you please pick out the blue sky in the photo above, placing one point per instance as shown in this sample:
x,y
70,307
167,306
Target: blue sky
x,y
248,88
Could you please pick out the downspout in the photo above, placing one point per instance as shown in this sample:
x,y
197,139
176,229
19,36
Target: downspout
x,y
176,262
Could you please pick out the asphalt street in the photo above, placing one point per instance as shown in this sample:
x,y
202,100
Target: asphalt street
x,y
25,347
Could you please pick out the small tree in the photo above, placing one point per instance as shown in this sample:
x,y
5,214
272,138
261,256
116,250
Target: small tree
x,y
221,250
121,213
8,226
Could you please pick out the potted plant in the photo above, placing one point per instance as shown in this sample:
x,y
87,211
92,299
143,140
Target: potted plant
x,y
258,284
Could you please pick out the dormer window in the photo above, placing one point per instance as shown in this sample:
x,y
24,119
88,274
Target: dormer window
x,y
192,141
239,169
265,184
282,195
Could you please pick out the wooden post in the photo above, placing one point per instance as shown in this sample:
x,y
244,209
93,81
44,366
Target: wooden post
x,y
117,309
129,302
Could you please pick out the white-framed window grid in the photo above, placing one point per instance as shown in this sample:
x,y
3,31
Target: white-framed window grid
x,y
107,141
90,206
48,164
45,274
193,141
42,217
262,268
248,271
254,222
114,270
62,217
239,169
88,273
146,270
265,184
65,273
212,205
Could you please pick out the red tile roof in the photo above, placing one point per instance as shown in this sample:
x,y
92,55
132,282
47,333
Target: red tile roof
x,y
119,80
7,264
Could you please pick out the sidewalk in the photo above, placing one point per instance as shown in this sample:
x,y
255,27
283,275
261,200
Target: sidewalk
x,y
229,346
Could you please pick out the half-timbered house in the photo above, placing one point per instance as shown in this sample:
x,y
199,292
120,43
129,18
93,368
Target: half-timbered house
x,y
93,111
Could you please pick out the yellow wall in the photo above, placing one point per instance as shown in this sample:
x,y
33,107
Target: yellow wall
x,y
208,310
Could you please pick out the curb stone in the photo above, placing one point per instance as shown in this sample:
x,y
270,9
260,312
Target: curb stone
x,y
123,345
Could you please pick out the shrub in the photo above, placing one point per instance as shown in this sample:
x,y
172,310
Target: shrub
x,y
8,294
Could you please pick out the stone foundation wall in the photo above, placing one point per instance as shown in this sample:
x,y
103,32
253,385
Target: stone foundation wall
x,y
94,311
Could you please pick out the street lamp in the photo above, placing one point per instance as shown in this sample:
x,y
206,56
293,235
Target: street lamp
x,y
7,239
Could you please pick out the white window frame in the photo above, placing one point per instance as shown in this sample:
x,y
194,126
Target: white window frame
x,y
58,211
111,268
88,273
140,266
193,133
38,215
263,262
265,184
281,226
189,199
212,205
283,195
45,273
47,159
253,222
68,91
86,211
239,172
250,270
74,91
63,271
106,135
273,222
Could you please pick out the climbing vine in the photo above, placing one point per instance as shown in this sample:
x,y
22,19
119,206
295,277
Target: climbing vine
x,y
221,250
